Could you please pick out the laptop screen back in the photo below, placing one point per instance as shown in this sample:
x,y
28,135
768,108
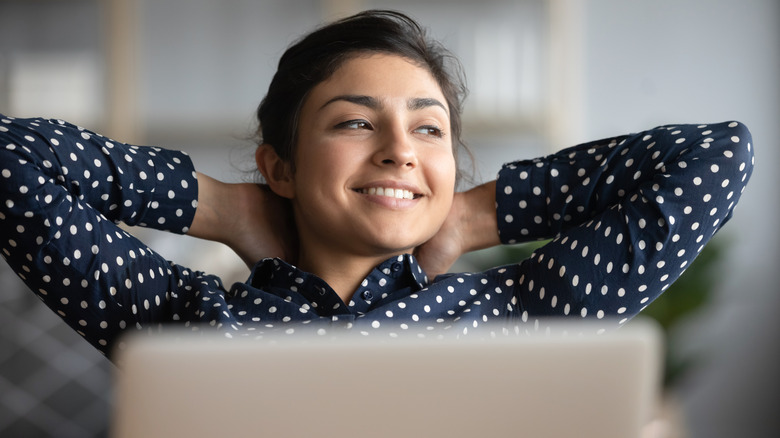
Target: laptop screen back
x,y
537,385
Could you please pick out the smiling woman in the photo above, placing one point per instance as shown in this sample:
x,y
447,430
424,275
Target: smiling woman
x,y
358,221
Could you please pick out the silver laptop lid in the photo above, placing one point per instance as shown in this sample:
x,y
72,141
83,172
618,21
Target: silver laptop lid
x,y
564,382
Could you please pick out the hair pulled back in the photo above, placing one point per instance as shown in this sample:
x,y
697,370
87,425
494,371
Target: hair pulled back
x,y
314,58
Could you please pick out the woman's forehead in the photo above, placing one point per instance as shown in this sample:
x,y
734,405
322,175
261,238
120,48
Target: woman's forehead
x,y
380,76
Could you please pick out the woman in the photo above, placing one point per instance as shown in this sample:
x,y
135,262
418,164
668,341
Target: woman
x,y
359,132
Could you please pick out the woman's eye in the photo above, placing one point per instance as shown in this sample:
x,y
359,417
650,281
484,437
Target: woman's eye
x,y
354,124
430,130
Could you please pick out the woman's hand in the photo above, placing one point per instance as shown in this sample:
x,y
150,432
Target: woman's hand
x,y
443,249
470,225
249,218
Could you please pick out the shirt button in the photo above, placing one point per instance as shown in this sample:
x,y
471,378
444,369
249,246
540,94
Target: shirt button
x,y
367,295
396,267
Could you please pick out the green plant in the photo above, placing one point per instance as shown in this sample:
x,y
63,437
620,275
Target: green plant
x,y
683,299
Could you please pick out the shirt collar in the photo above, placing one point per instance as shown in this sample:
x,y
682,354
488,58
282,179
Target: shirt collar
x,y
397,273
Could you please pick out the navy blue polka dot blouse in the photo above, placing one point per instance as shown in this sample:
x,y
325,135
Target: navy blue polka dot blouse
x,y
626,216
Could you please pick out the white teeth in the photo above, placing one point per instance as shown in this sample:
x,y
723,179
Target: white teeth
x,y
389,192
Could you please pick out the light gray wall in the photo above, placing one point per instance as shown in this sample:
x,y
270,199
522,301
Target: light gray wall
x,y
212,61
671,61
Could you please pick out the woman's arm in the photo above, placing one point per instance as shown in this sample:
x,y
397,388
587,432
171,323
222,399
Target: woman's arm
x,y
627,215
62,190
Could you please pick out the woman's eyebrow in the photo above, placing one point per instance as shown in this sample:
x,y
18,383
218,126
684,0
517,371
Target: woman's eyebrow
x,y
361,100
413,104
419,103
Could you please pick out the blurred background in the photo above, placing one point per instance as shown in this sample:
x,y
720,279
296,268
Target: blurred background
x,y
543,74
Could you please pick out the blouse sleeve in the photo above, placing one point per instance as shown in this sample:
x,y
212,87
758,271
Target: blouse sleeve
x,y
64,189
626,215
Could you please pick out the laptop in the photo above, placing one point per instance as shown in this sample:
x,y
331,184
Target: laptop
x,y
511,382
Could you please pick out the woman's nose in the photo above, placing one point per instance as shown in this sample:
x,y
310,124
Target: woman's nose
x,y
396,149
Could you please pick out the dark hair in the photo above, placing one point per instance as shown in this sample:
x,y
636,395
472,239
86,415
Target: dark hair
x,y
315,57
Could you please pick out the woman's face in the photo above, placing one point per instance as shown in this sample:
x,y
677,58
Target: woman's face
x,y
374,165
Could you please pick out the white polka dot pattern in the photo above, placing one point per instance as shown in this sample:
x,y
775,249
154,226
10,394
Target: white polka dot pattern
x,y
627,215
63,189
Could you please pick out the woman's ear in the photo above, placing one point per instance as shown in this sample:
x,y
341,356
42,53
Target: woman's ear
x,y
278,173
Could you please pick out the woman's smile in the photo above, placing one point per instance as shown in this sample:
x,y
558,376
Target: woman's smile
x,y
388,192
392,194
390,198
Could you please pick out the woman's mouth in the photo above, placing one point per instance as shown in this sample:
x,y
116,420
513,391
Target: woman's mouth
x,y
389,192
